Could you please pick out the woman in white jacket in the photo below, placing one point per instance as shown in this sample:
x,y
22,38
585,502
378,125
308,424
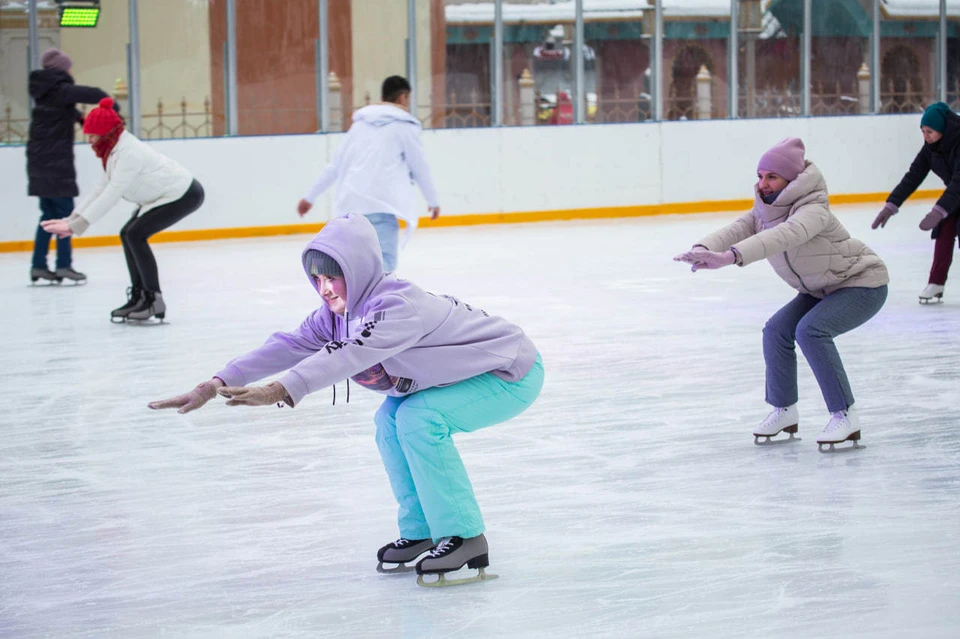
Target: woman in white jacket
x,y
164,192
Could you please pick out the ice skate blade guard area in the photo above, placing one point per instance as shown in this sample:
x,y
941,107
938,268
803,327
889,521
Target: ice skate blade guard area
x,y
442,581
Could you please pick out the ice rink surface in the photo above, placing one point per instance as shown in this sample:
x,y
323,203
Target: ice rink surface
x,y
629,501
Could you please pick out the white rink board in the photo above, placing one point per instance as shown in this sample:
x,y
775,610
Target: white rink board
x,y
257,181
628,501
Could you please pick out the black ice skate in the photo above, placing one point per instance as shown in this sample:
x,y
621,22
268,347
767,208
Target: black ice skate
x,y
37,274
453,553
400,552
150,305
134,295
69,274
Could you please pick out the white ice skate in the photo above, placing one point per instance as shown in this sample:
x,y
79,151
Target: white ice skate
x,y
932,294
779,420
843,426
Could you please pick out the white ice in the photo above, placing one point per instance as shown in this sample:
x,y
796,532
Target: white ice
x,y
629,501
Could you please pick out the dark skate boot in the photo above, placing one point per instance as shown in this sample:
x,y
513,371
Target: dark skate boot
x,y
150,305
453,553
69,274
134,295
43,274
400,552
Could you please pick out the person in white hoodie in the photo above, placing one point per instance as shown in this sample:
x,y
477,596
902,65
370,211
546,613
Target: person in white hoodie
x,y
163,191
375,168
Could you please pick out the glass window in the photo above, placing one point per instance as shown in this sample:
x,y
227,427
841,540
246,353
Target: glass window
x,y
617,73
908,55
177,80
953,55
695,39
768,58
14,65
463,79
839,49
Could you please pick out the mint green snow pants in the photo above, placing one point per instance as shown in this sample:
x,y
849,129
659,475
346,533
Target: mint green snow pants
x,y
414,434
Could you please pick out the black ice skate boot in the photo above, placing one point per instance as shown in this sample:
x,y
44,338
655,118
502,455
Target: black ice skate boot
x,y
150,305
69,274
134,295
43,274
400,552
453,553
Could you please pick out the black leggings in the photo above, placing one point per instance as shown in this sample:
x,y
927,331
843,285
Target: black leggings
x,y
134,234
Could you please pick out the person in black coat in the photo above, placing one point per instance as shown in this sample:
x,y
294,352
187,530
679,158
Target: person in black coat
x,y
50,171
941,154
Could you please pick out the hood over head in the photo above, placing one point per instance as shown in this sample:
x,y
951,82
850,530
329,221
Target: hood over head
x,y
352,242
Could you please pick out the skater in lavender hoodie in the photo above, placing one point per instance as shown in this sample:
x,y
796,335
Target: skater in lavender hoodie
x,y
446,367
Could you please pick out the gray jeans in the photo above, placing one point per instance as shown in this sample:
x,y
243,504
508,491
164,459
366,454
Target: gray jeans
x,y
813,323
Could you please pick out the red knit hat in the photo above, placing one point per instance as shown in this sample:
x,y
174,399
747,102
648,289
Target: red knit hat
x,y
102,119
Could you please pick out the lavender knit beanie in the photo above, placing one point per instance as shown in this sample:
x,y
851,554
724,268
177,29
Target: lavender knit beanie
x,y
785,159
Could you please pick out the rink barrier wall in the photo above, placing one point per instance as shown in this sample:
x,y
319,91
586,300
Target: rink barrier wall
x,y
715,206
504,175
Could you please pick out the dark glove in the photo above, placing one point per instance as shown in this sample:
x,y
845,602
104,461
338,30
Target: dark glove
x,y
193,400
888,211
934,217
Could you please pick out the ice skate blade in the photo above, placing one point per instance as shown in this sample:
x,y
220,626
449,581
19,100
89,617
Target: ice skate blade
x,y
932,300
854,437
443,582
401,567
769,441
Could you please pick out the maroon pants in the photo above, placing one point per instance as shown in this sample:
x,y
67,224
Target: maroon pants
x,y
943,251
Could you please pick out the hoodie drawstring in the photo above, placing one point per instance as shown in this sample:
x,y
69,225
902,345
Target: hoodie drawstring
x,y
347,318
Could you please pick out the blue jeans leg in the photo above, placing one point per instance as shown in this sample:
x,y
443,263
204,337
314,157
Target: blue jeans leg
x,y
813,323
414,434
388,232
52,208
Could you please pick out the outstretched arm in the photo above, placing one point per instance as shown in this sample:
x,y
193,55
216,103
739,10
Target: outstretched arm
x,y
419,168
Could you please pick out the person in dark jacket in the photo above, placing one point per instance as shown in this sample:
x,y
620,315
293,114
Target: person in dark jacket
x,y
50,171
941,154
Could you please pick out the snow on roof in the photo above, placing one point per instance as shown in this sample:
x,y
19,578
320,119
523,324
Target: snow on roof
x,y
563,11
917,8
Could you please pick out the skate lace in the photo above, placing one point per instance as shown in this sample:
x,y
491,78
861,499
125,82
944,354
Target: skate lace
x,y
400,543
836,421
773,416
445,546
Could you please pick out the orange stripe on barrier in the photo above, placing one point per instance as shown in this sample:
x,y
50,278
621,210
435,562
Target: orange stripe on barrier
x,y
674,208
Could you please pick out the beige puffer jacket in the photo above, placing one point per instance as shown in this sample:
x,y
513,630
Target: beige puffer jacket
x,y
804,242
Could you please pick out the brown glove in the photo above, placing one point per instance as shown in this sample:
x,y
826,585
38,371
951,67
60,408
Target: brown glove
x,y
193,400
272,393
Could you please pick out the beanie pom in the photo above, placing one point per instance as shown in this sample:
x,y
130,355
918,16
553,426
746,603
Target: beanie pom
x,y
106,103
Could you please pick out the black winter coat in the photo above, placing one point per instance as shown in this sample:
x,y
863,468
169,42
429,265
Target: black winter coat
x,y
50,169
941,157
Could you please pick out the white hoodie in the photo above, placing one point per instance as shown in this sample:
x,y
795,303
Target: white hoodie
x,y
376,165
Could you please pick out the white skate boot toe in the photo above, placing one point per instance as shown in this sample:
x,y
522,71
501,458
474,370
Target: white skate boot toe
x,y
779,420
843,426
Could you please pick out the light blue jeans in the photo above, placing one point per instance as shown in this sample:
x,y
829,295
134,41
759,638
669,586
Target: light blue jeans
x,y
414,434
388,231
813,323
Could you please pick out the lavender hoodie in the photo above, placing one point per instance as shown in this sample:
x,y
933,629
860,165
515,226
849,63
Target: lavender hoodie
x,y
394,337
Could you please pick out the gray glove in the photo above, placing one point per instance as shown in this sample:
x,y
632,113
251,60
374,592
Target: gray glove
x,y
193,400
889,210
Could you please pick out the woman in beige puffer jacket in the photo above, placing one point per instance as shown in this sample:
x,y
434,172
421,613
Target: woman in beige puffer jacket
x,y
841,285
